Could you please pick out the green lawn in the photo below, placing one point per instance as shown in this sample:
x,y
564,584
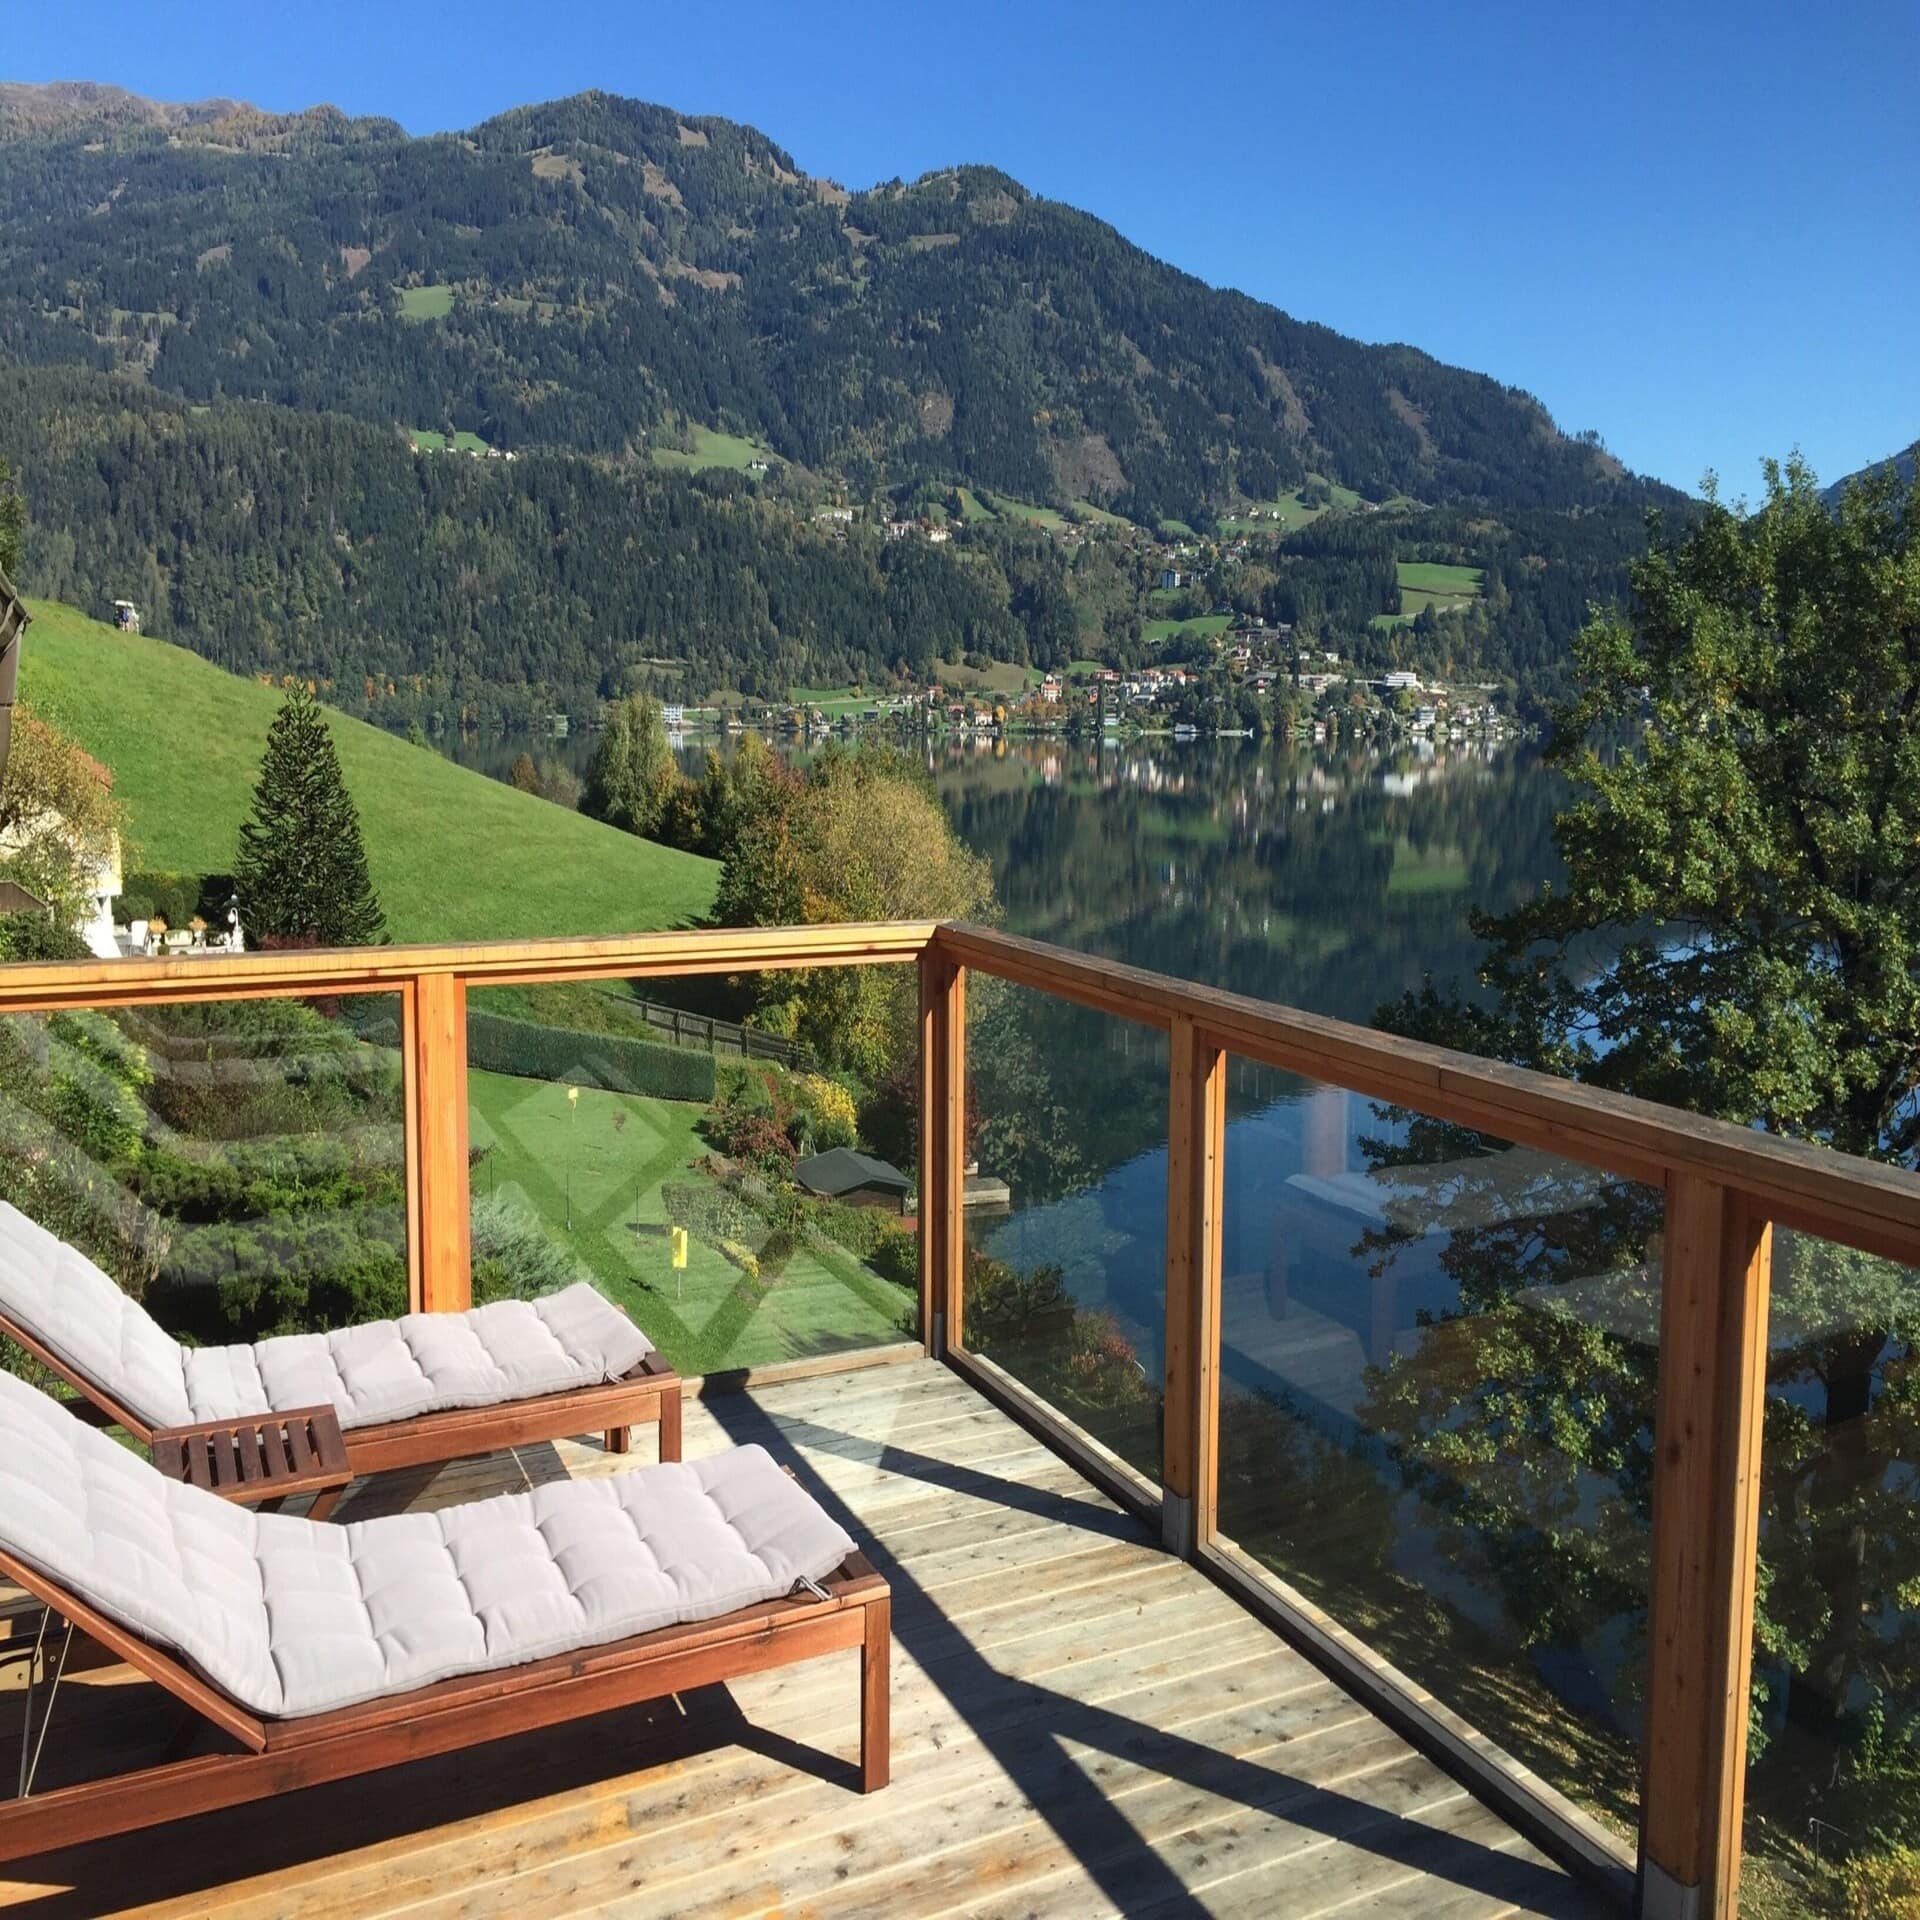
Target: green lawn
x,y
454,854
998,676
425,303
1013,509
713,449
1157,630
1431,583
605,1161
1429,576
972,507
425,440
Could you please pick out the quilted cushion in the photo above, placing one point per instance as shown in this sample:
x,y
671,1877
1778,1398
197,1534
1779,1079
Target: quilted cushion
x,y
290,1616
384,1370
395,1369
54,1292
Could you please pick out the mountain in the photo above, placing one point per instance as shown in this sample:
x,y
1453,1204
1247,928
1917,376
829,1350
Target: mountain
x,y
451,851
604,276
1903,464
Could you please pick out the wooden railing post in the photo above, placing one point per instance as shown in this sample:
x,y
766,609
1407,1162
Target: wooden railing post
x,y
1196,1181
943,1149
439,1226
1706,1509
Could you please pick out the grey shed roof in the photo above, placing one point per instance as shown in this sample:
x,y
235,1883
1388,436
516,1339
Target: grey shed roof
x,y
841,1170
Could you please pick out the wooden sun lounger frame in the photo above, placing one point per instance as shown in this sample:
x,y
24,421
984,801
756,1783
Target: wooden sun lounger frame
x,y
650,1394
280,1756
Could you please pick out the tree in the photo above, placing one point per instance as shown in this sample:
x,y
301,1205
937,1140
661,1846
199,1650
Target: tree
x,y
302,866
1753,855
632,770
856,836
1739,934
59,822
523,775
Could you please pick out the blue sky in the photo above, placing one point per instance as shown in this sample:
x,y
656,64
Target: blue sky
x,y
1695,227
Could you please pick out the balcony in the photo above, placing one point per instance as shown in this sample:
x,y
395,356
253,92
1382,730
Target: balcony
x,y
1225,1615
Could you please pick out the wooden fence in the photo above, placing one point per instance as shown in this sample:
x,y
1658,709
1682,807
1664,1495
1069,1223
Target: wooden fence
x,y
702,1030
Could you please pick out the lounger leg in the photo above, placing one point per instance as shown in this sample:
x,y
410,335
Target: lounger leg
x,y
876,1688
670,1423
619,1439
324,1502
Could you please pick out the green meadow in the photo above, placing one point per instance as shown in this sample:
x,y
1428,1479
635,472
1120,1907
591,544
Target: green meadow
x,y
711,448
425,303
454,854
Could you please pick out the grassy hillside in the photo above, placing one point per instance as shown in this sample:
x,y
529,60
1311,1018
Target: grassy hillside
x,y
454,854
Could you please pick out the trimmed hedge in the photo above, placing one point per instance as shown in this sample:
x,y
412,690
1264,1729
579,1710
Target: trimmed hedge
x,y
611,1061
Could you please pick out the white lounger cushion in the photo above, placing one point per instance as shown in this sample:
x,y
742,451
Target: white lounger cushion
x,y
384,1370
289,1616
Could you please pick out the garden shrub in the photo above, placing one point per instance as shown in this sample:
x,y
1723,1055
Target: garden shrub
x,y
611,1061
93,1108
829,1107
514,1257
742,1257
888,1246
710,1213
36,936
301,1273
1883,1886
170,895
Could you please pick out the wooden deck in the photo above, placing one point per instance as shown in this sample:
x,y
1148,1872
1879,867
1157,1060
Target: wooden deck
x,y
1082,1725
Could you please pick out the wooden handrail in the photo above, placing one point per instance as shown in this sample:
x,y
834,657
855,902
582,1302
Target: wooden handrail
x,y
41,985
1861,1202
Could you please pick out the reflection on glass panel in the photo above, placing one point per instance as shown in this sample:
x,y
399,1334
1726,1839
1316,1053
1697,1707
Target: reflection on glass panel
x,y
238,1167
1833,1788
1066,1214
745,1201
1437,1387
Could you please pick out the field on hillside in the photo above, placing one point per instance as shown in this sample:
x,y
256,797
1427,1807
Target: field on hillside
x,y
425,440
998,676
1435,584
601,1163
713,449
1290,512
425,303
454,854
1155,631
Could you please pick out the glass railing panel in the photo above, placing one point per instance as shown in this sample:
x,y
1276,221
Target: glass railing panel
x,y
1833,1785
605,1117
1438,1367
238,1167
1065,1224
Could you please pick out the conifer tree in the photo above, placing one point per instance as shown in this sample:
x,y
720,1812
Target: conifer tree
x,y
302,865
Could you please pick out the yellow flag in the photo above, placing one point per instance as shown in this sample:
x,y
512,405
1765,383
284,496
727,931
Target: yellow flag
x,y
573,1096
679,1246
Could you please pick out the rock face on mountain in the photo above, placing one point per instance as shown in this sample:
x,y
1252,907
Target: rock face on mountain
x,y
597,274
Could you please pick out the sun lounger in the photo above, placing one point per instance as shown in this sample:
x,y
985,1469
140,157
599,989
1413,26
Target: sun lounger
x,y
427,1387
323,1651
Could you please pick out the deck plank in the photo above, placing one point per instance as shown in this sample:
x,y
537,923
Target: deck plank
x,y
1082,1726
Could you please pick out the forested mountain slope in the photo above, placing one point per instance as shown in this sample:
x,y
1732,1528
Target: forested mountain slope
x,y
595,273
